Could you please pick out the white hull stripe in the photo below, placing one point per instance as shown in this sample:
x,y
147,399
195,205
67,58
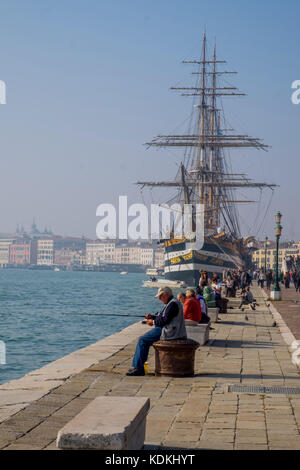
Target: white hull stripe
x,y
194,267
214,254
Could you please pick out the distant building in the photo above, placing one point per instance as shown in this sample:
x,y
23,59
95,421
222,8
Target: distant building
x,y
19,253
79,257
45,251
122,254
71,243
147,256
68,257
63,257
98,253
159,258
5,244
23,251
285,252
134,254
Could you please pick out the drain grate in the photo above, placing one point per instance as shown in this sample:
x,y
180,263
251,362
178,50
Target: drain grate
x,y
264,390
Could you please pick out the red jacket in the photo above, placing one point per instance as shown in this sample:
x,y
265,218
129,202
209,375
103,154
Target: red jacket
x,y
192,309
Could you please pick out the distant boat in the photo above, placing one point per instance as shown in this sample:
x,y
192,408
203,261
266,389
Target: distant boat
x,y
155,271
56,269
164,283
124,272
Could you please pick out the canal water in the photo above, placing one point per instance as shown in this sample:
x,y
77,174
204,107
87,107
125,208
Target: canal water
x,y
45,315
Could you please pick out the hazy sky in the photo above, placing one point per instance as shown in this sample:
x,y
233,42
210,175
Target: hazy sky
x,y
87,85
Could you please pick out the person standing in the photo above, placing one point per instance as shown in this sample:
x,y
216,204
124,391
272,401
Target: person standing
x,y
286,280
269,278
261,279
230,290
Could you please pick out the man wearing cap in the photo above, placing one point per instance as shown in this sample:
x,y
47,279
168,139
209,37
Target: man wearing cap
x,y
169,325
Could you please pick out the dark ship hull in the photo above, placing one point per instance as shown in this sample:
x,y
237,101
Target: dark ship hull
x,y
185,264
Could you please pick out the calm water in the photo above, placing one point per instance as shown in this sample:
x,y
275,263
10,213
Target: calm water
x,y
45,314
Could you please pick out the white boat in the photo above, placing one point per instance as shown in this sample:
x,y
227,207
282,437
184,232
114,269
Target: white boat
x,y
124,272
154,271
164,283
56,269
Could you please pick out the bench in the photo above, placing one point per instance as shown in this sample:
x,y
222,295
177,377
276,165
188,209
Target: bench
x,y
107,423
197,331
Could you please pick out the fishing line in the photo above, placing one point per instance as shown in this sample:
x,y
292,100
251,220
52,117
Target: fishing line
x,y
106,314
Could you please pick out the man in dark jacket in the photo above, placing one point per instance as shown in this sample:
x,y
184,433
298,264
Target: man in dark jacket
x,y
169,324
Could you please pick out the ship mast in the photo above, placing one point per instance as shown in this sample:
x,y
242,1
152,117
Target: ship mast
x,y
207,179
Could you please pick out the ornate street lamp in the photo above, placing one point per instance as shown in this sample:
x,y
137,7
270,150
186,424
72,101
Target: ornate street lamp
x,y
266,246
276,293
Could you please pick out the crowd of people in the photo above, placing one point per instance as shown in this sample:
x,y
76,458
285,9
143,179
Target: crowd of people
x,y
286,278
193,305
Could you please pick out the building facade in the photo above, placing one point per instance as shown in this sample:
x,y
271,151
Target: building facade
x,y
159,258
19,253
5,244
259,256
45,252
98,253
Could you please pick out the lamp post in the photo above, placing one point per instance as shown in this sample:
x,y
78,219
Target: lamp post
x,y
276,293
266,246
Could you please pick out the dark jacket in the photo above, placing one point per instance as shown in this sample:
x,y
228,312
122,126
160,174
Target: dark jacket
x,y
171,320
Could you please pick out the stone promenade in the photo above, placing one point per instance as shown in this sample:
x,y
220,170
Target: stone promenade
x,y
245,349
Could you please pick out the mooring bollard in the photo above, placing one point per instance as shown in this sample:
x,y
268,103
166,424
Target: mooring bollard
x,y
175,358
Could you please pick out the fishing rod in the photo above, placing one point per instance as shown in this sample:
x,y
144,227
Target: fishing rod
x,y
108,314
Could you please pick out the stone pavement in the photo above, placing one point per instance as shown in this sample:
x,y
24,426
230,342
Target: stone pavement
x,y
289,308
200,412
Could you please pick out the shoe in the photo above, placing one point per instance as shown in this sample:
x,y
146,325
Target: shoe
x,y
135,372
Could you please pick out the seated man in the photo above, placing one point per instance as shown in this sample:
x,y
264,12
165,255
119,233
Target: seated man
x,y
192,307
199,296
169,325
247,298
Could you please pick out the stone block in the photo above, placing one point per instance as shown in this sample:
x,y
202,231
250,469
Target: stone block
x,y
107,423
198,332
213,314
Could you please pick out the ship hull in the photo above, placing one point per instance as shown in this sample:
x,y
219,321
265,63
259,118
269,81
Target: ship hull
x,y
185,264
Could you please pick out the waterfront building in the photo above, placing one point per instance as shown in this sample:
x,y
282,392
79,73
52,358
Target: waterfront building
x,y
134,255
79,257
45,251
122,254
147,256
99,252
5,244
70,243
63,257
286,251
159,258
68,257
19,252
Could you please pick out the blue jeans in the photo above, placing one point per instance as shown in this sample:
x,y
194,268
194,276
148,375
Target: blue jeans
x,y
143,346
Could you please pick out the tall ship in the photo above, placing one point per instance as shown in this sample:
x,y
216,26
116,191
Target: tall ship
x,y
205,177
